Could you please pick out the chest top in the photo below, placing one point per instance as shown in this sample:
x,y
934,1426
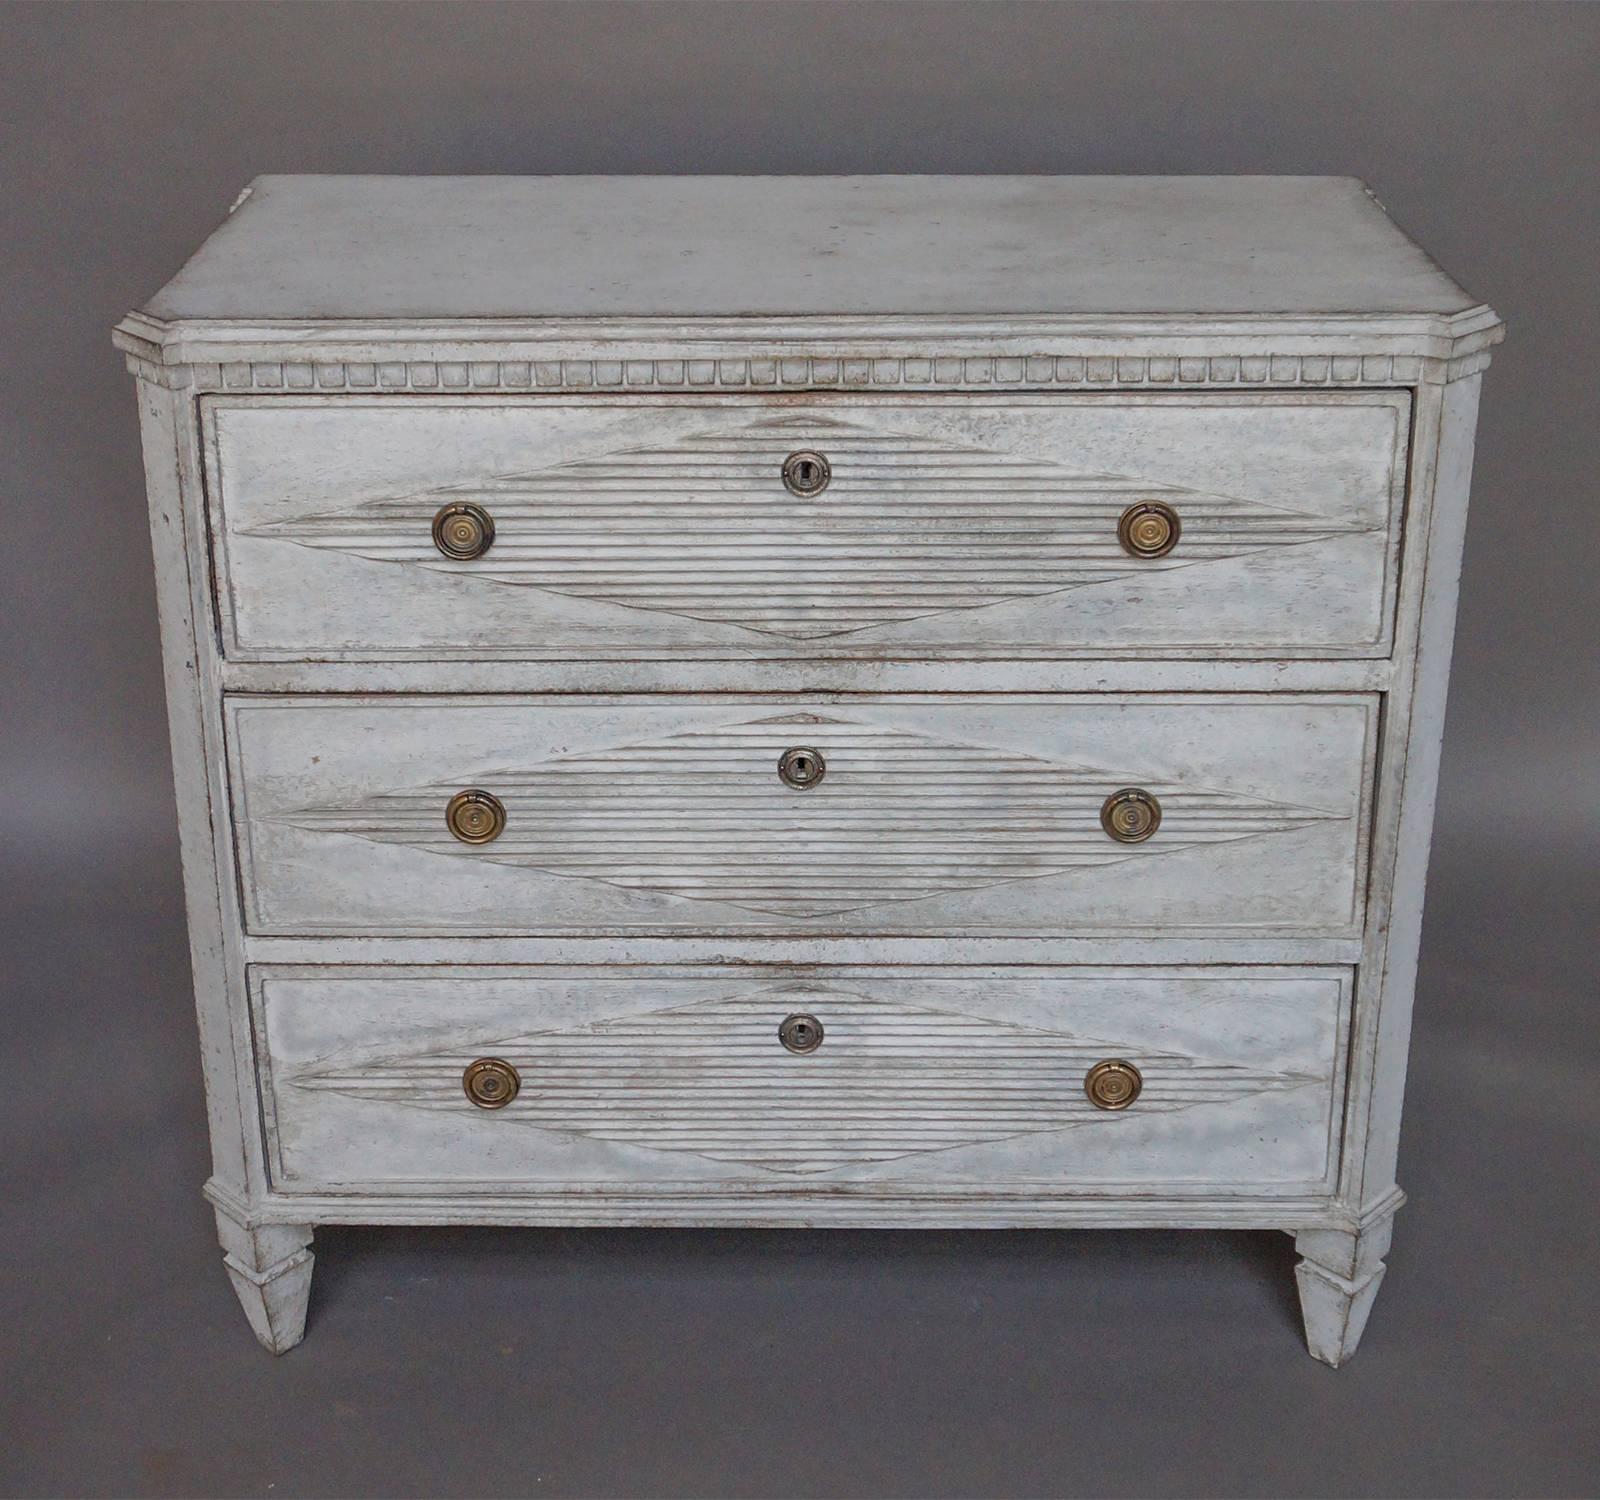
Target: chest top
x,y
703,247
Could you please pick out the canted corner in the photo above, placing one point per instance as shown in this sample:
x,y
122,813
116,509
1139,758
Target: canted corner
x,y
1472,334
146,342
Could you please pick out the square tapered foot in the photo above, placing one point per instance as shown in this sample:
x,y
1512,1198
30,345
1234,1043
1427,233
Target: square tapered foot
x,y
270,1268
1339,1275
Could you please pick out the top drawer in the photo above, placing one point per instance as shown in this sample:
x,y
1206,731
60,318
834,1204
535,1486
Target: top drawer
x,y
949,527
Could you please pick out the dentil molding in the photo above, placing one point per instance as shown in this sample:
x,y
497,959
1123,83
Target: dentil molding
x,y
661,355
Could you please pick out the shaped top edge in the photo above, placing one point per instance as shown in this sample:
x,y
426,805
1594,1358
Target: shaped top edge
x,y
336,249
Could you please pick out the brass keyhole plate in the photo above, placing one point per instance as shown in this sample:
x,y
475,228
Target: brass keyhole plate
x,y
801,1033
1149,529
806,473
463,531
801,768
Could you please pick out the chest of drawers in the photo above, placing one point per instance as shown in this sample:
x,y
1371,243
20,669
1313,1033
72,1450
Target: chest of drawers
x,y
807,701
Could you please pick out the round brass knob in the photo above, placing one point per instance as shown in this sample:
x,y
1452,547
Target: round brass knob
x,y
491,1082
801,1033
1112,1084
806,473
801,768
1131,815
475,816
463,531
1149,529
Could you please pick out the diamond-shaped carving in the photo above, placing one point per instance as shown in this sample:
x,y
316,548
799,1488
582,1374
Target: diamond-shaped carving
x,y
703,528
710,1078
900,816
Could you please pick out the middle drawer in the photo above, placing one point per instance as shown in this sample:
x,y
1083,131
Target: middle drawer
x,y
1060,815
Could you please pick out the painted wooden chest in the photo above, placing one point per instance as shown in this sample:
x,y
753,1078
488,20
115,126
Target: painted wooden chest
x,y
807,701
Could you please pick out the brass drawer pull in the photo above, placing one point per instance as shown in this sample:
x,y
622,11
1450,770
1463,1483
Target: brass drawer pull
x,y
475,816
801,1033
1113,1084
806,474
801,768
491,1082
1131,815
463,531
1149,529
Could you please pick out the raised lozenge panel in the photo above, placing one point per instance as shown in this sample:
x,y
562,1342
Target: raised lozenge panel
x,y
931,1078
934,818
949,527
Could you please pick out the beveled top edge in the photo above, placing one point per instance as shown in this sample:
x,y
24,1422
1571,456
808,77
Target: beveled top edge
x,y
538,249
188,341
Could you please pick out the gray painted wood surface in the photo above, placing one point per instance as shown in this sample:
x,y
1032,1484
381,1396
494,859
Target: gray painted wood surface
x,y
926,1080
423,247
935,819
597,361
952,527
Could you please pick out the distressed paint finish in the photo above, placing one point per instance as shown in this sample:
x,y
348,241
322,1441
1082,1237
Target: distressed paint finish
x,y
1339,1275
951,622
939,817
270,1267
952,527
928,1081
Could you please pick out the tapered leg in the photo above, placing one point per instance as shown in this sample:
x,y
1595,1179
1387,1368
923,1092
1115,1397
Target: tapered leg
x,y
270,1268
1339,1276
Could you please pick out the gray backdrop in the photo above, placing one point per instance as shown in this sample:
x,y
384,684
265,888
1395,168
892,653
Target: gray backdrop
x,y
492,1362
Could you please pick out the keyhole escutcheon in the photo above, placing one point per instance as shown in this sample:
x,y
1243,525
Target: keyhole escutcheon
x,y
800,1033
801,768
806,473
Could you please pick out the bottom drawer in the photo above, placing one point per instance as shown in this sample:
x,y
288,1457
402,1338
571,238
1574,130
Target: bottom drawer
x,y
903,1080
945,1081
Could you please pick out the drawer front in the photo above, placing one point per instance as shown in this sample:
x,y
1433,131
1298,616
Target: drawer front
x,y
949,526
937,817
938,1079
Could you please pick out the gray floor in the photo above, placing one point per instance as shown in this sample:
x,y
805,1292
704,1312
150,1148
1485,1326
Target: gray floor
x,y
672,1363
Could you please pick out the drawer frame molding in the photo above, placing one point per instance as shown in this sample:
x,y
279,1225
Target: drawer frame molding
x,y
1295,558
581,815
937,1063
